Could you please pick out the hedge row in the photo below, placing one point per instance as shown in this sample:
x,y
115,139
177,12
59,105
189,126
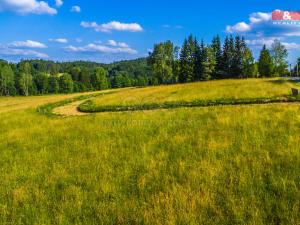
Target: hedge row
x,y
90,107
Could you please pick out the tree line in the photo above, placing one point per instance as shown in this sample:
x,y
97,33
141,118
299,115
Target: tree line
x,y
197,61
39,77
193,61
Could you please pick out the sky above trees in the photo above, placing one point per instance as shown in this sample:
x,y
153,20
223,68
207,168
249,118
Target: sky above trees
x,y
106,31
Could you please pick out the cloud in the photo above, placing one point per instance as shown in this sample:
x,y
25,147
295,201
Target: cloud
x,y
268,41
76,9
260,17
261,23
260,30
27,44
113,26
5,51
26,7
59,3
98,48
117,44
255,19
59,40
239,27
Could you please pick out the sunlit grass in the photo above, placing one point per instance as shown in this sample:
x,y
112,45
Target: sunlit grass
x,y
216,165
210,90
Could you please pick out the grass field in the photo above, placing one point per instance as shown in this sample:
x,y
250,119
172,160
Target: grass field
x,y
9,104
211,90
214,165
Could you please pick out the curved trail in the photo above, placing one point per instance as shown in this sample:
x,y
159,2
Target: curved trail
x,y
69,109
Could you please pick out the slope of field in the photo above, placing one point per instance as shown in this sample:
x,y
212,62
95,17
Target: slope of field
x,y
211,90
9,104
215,165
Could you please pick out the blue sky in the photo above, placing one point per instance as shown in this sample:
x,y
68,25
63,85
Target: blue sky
x,y
106,31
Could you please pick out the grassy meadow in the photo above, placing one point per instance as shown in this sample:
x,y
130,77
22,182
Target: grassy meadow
x,y
213,165
210,90
9,104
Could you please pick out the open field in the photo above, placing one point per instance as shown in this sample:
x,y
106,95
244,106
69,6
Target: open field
x,y
211,90
9,104
213,165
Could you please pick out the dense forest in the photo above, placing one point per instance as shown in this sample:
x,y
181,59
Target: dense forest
x,y
194,61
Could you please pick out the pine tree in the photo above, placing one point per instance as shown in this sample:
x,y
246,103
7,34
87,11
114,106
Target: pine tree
x,y
265,63
217,50
237,60
208,64
187,61
199,58
228,57
231,56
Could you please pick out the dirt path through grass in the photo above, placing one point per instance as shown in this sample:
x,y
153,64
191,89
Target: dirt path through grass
x,y
70,109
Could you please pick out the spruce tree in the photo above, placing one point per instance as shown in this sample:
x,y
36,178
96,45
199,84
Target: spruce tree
x,y
199,58
237,60
208,64
226,57
187,61
217,50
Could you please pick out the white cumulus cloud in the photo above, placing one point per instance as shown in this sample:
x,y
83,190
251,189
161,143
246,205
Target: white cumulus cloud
x,y
255,19
27,6
239,27
27,44
113,26
76,9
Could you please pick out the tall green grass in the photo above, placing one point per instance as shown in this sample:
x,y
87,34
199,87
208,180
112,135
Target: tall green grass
x,y
210,90
219,165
